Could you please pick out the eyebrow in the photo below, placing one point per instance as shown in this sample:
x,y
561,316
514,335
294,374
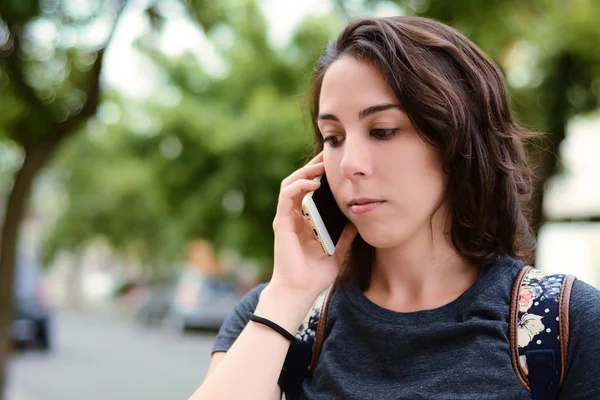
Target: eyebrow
x,y
362,114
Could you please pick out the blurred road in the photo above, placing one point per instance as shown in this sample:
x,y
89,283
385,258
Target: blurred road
x,y
98,358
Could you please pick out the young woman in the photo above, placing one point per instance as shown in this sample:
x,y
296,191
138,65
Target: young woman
x,y
416,137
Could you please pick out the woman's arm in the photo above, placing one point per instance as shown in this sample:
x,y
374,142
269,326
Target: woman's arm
x,y
216,359
301,271
251,367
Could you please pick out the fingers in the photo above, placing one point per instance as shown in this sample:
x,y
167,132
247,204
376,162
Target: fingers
x,y
292,192
307,172
316,159
295,186
313,169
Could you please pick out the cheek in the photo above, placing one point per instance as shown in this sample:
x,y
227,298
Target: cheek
x,y
420,176
331,161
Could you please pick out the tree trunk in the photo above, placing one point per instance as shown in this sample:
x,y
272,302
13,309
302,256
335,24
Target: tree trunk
x,y
35,158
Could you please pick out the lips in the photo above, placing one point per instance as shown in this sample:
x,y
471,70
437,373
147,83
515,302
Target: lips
x,y
364,205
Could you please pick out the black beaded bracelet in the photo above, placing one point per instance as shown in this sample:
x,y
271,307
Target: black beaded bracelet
x,y
272,325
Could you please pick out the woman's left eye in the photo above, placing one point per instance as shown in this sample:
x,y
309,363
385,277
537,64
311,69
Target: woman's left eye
x,y
384,133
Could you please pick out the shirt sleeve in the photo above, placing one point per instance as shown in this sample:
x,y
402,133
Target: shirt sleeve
x,y
583,361
237,320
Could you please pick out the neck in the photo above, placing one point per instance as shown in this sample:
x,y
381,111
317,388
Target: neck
x,y
423,273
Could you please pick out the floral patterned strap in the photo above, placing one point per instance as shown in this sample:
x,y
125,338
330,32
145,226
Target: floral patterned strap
x,y
304,350
539,325
320,337
303,353
307,331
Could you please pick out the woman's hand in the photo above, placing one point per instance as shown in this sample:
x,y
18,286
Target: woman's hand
x,y
301,268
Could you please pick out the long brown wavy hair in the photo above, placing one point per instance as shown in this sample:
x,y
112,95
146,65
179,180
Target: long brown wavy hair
x,y
457,100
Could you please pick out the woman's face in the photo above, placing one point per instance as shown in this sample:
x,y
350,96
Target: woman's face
x,y
384,177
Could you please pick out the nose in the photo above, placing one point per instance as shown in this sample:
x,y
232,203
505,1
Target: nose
x,y
356,159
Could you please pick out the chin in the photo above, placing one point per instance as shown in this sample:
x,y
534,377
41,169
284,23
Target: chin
x,y
383,238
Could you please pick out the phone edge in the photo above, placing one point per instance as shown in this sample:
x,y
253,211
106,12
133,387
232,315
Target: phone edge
x,y
316,221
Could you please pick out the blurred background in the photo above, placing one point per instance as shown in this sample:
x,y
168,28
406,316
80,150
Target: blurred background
x,y
142,145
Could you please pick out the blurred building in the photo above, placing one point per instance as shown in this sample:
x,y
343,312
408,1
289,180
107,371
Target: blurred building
x,y
574,195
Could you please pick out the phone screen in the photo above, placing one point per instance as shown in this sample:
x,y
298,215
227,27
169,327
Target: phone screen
x,y
332,216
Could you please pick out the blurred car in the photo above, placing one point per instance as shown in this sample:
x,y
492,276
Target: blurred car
x,y
31,319
201,302
157,303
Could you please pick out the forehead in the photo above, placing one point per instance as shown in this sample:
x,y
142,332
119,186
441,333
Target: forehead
x,y
350,84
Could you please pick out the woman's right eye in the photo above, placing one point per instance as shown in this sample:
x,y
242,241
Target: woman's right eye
x,y
333,140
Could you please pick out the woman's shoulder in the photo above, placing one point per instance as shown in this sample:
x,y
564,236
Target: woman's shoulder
x,y
584,307
249,300
583,301
237,319
583,364
251,297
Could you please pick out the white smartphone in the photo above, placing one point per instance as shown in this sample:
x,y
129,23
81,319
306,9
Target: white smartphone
x,y
324,215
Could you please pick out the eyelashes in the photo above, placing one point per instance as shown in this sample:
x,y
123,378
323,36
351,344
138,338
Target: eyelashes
x,y
333,140
378,134
383,134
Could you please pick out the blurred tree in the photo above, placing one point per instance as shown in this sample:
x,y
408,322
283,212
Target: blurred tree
x,y
212,164
48,89
249,126
112,192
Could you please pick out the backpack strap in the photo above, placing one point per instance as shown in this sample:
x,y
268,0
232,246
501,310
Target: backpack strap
x,y
303,354
539,330
320,336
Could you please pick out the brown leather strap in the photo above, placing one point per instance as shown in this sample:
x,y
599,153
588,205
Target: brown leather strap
x,y
320,335
563,316
513,325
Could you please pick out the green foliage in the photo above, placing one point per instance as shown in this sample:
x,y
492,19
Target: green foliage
x,y
112,193
19,12
214,166
44,76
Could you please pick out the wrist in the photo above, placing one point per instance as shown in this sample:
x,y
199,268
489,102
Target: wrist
x,y
283,307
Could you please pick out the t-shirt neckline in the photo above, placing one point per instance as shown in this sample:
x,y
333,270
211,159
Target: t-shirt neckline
x,y
447,312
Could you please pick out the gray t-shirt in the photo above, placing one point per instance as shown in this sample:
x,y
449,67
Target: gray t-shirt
x,y
457,351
